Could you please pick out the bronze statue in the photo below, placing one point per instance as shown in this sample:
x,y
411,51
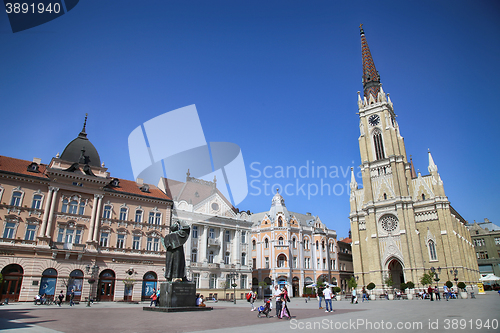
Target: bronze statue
x,y
175,263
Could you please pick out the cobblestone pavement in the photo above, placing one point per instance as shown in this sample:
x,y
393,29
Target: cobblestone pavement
x,y
466,315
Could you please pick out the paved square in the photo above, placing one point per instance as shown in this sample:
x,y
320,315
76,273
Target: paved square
x,y
466,315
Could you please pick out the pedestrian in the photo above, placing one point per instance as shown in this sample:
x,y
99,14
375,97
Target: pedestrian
x,y
38,299
284,301
365,295
71,297
320,297
153,298
430,291
446,292
354,298
253,296
61,297
277,296
436,293
157,303
328,299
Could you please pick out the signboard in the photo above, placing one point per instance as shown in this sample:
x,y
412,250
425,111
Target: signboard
x,y
481,289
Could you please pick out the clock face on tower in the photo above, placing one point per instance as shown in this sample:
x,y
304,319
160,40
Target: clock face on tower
x,y
374,120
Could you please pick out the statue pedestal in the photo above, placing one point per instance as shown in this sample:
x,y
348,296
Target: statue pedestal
x,y
177,297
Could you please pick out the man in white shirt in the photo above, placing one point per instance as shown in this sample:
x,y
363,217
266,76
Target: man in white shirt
x,y
277,295
328,299
354,298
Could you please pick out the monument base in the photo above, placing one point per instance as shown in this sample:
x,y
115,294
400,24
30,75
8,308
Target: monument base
x,y
177,297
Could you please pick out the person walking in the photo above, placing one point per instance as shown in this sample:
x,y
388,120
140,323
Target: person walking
x,y
365,295
284,307
60,297
277,296
354,297
436,293
253,296
320,297
71,297
153,298
430,291
446,292
328,299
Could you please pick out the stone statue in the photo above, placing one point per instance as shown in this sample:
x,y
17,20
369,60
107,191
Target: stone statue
x,y
175,263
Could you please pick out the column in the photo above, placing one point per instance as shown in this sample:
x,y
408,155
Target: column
x,y
203,245
41,232
92,219
235,248
188,247
51,213
222,244
97,222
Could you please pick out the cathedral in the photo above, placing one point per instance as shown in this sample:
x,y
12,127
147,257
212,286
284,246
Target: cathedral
x,y
402,223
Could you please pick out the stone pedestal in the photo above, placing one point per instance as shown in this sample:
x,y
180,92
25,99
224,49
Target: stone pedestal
x,y
176,297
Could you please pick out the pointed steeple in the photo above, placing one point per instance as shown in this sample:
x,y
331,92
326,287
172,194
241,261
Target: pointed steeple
x,y
83,133
371,78
412,170
432,166
354,184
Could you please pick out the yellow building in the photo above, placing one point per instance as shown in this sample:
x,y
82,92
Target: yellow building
x,y
292,249
68,222
402,223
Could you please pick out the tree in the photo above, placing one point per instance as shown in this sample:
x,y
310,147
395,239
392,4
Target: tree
x,y
410,285
336,289
403,286
352,284
449,284
370,286
426,279
461,286
388,281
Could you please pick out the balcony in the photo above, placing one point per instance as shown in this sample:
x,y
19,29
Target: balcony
x,y
68,246
213,242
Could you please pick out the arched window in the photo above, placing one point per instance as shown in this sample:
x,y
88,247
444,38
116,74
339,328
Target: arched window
x,y
385,196
37,201
254,244
148,285
123,214
211,257
322,245
294,243
16,199
379,147
423,196
194,255
432,250
243,259
280,241
280,222
266,243
282,260
106,214
317,245
73,207
138,216
48,282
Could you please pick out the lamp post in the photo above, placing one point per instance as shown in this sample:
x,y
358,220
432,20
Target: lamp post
x,y
433,270
455,273
232,277
93,270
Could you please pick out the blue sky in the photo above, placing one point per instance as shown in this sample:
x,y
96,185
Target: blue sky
x,y
278,78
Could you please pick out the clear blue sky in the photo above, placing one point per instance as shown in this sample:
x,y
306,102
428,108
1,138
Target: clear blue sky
x,y
278,78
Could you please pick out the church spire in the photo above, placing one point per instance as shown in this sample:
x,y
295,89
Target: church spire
x,y
371,78
83,133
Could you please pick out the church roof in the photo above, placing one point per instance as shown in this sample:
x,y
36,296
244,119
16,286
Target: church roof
x,y
371,77
81,150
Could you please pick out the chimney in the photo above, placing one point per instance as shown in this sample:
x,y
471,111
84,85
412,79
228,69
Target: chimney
x,y
308,214
139,181
37,160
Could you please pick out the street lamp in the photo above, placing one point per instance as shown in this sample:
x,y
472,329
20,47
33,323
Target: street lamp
x,y
93,270
455,273
433,270
232,277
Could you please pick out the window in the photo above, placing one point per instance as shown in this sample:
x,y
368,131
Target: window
x,y
153,244
324,263
211,233
213,281
37,201
317,264
104,239
332,264
30,232
138,216
69,236
280,222
266,243
81,210
280,241
136,243
479,242
497,240
379,147
254,244
254,263
120,241
123,214
211,257
243,237
281,261
294,243
294,262
243,259
16,199
106,214
423,196
194,232
154,218
306,244
307,263
323,245
9,230
227,258
267,262
73,207
317,245
196,279
227,236
243,282
194,255
480,255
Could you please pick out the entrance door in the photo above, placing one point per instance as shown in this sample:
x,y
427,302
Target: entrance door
x,y
295,287
396,271
13,278
107,286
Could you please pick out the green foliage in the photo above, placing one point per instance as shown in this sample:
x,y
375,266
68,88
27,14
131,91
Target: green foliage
x,y
1,278
336,289
352,283
426,279
389,282
410,285
320,283
308,291
129,281
449,284
370,286
403,286
263,284
461,285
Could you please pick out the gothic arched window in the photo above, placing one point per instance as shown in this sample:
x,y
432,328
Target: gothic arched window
x,y
379,146
432,250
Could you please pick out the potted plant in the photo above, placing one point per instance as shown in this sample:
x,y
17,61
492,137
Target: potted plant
x,y
337,290
410,285
463,292
389,283
370,287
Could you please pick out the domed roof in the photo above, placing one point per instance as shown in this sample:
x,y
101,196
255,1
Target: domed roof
x,y
81,150
278,206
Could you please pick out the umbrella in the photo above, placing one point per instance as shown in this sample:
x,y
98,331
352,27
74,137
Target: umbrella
x,y
489,277
311,285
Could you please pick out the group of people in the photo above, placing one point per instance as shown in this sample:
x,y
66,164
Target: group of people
x,y
48,299
282,299
434,293
155,295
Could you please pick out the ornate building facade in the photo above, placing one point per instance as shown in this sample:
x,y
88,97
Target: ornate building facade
x,y
292,249
486,239
68,222
402,223
217,254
